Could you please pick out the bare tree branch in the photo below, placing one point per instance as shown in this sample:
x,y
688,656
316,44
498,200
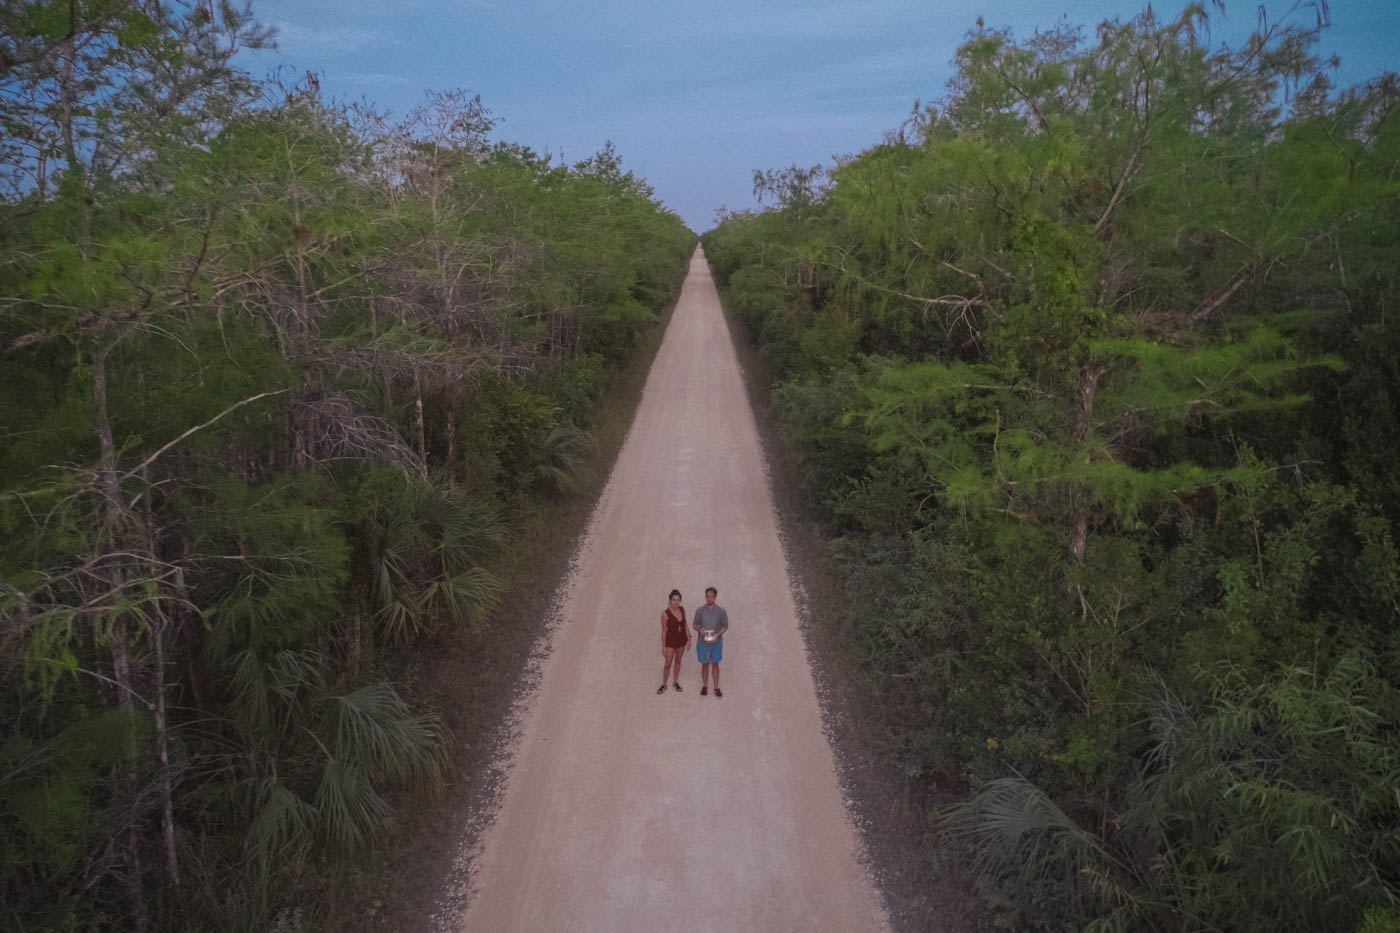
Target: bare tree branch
x,y
199,427
1128,171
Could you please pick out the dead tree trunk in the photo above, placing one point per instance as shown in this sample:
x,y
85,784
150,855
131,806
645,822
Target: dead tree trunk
x,y
450,401
1080,413
172,863
418,415
162,720
117,531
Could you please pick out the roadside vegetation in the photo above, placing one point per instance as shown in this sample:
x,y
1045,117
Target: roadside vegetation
x,y
1089,373
287,389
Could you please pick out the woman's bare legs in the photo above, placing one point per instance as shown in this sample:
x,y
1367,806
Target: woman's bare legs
x,y
671,655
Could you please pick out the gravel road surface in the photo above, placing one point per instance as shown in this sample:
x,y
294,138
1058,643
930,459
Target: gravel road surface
x,y
624,810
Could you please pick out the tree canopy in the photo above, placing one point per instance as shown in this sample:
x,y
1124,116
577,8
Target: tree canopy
x,y
278,376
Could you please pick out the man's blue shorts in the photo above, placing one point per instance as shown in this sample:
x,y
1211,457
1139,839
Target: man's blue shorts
x,y
707,652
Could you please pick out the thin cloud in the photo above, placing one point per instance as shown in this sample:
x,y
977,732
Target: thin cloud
x,y
291,37
376,78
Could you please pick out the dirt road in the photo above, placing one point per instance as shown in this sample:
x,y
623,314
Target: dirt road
x,y
624,810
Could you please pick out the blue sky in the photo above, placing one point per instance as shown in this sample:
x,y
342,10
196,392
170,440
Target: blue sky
x,y
697,95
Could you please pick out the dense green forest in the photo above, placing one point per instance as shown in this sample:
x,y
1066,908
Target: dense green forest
x,y
1090,374
277,377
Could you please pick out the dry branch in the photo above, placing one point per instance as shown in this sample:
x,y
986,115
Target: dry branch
x,y
199,427
1128,171
951,301
338,428
1217,301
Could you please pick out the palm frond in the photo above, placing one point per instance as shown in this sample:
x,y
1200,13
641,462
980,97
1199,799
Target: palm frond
x,y
348,807
465,597
1013,824
562,458
282,827
263,684
402,618
373,728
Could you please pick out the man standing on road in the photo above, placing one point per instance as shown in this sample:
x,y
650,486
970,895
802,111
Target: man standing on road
x,y
711,622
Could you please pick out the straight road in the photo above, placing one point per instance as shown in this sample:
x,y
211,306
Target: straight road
x,y
624,810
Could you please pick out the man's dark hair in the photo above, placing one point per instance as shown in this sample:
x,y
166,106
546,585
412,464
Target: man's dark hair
x,y
711,589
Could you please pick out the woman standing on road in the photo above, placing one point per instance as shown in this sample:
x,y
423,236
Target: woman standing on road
x,y
674,638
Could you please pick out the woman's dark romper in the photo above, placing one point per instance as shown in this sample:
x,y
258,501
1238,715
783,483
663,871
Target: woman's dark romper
x,y
676,634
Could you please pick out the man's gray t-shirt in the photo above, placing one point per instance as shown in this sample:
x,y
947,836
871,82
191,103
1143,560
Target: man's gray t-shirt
x,y
711,618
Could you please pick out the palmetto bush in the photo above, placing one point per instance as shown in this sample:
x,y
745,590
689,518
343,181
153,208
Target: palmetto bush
x,y
1273,807
560,460
312,765
424,543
